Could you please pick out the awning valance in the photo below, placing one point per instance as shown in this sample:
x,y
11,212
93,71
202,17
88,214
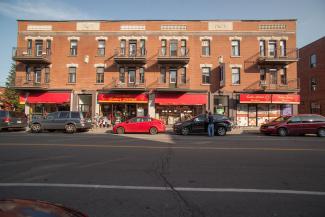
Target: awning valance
x,y
122,98
54,98
180,99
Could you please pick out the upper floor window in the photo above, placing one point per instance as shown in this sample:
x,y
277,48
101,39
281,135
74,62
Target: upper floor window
x,y
72,75
100,75
29,46
39,47
283,48
47,75
183,75
162,78
142,47
235,50
131,76
163,47
262,48
122,75
48,47
101,48
272,48
123,47
28,73
235,75
37,75
283,76
222,75
141,75
313,84
172,75
205,47
73,47
313,61
183,47
262,76
206,75
173,47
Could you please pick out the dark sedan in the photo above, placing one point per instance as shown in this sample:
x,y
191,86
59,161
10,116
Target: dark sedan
x,y
199,124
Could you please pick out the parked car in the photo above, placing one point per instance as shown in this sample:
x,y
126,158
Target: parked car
x,y
12,120
199,124
296,125
63,120
140,125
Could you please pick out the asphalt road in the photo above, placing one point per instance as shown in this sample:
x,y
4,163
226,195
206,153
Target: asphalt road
x,y
107,175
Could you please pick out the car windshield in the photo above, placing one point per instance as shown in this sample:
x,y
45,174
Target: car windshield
x,y
281,119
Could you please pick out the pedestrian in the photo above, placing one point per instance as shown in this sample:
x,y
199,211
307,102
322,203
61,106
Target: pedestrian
x,y
105,121
96,120
210,125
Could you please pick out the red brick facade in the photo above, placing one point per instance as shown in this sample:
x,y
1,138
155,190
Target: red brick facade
x,y
312,77
184,41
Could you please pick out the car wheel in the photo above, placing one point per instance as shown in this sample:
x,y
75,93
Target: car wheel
x,y
120,130
70,128
36,128
185,131
321,132
221,131
282,132
153,130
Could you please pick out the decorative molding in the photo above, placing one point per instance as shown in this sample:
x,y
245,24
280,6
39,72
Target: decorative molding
x,y
173,27
39,28
272,26
268,38
206,38
132,37
72,65
220,26
205,65
101,38
100,65
86,26
132,27
73,38
39,38
235,65
173,37
238,38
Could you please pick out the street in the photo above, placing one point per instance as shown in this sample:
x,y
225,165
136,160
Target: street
x,y
107,175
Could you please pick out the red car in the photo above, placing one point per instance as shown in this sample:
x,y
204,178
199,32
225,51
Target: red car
x,y
296,125
140,125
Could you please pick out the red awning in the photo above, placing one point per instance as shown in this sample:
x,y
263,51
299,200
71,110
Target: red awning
x,y
286,98
122,98
180,99
56,98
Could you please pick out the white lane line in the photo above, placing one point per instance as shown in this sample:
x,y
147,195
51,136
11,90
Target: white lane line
x,y
153,188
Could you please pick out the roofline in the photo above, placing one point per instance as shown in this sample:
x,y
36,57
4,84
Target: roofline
x,y
313,42
150,20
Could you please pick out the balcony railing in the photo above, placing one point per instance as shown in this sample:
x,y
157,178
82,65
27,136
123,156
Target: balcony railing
x,y
22,83
178,85
136,56
269,86
278,56
127,85
29,56
177,56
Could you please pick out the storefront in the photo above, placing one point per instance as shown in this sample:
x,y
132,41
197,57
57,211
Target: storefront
x,y
174,107
45,102
256,109
123,106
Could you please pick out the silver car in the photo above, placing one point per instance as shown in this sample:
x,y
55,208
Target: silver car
x,y
12,120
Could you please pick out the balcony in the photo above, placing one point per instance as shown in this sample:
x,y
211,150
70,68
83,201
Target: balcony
x,y
178,86
117,85
23,84
31,56
269,86
279,57
179,56
123,56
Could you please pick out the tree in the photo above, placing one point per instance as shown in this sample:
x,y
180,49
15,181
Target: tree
x,y
10,95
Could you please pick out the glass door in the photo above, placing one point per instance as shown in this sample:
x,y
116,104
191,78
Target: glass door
x,y
283,52
173,76
131,76
272,48
39,47
132,48
37,76
273,76
173,47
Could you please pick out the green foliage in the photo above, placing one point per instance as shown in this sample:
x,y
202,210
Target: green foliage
x,y
10,94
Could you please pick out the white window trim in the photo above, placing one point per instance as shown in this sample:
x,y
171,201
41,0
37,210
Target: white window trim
x,y
179,38
206,65
44,38
73,38
99,65
206,38
101,38
235,65
132,37
72,65
235,38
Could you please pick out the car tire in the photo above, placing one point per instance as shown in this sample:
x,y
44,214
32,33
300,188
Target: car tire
x,y
35,128
185,131
120,130
153,130
70,128
221,131
321,132
282,131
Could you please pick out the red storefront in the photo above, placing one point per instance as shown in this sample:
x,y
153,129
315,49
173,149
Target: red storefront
x,y
45,102
123,105
256,109
173,107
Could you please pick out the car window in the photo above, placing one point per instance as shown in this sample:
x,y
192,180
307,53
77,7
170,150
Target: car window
x,y
146,119
3,114
63,115
75,114
133,120
295,120
200,118
306,119
281,119
219,117
318,118
52,115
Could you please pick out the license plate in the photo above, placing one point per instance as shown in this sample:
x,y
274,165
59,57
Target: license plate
x,y
18,122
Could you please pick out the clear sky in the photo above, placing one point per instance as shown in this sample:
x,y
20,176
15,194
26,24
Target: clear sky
x,y
309,13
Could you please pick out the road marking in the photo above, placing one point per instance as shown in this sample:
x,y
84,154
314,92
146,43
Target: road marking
x,y
168,147
153,188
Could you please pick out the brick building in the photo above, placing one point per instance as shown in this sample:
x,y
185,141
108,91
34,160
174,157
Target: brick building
x,y
167,69
311,71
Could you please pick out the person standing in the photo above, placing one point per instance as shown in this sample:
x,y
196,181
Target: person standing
x,y
210,125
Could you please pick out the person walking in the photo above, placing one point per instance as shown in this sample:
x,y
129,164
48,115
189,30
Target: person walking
x,y
210,125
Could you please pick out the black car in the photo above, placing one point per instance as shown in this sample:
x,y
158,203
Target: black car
x,y
12,120
63,120
199,124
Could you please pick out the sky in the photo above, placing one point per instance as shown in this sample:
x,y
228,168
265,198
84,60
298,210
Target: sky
x,y
310,15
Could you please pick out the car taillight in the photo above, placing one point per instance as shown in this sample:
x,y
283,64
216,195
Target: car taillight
x,y
6,120
82,120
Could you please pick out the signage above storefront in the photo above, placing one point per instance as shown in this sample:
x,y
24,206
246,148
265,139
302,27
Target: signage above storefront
x,y
180,99
285,98
270,98
255,98
122,98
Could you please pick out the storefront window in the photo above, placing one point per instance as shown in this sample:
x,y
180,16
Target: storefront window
x,y
221,105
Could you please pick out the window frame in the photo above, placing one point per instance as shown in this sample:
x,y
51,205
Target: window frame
x,y
162,75
313,61
141,75
235,48
100,75
121,76
73,47
72,74
101,47
233,69
174,81
47,75
206,49
206,76
28,73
